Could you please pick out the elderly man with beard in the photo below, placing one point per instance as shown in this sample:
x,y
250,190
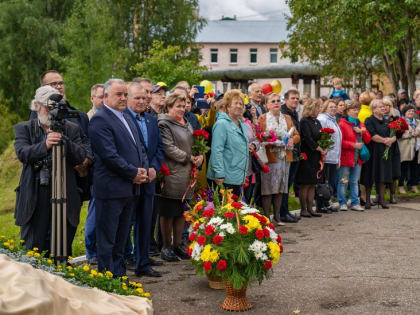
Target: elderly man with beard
x,y
33,143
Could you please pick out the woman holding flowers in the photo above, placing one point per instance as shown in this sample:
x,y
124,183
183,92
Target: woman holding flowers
x,y
355,136
274,183
307,173
228,163
378,169
177,138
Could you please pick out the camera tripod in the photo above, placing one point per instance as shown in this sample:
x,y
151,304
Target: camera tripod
x,y
59,204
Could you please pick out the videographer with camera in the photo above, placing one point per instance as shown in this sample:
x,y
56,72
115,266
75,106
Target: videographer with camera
x,y
34,140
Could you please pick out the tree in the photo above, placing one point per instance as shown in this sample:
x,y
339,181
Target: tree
x,y
169,65
355,38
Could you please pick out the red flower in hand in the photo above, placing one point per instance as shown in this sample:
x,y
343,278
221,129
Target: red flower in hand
x,y
237,205
243,229
201,240
201,133
208,213
164,170
217,239
327,130
259,234
265,168
303,156
207,266
268,264
209,230
192,237
229,215
246,184
222,264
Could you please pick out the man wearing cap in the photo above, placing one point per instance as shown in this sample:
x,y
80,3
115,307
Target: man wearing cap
x,y
157,102
148,129
33,143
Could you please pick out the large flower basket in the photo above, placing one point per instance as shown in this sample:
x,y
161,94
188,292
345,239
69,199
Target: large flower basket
x,y
235,300
215,282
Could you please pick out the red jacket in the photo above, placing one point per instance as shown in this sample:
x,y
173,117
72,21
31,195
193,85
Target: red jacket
x,y
349,139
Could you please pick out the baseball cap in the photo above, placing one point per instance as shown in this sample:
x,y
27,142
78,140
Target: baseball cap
x,y
400,91
156,88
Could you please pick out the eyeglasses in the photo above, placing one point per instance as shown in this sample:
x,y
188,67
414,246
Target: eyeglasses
x,y
275,101
55,84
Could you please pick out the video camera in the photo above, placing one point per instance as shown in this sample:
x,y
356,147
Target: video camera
x,y
59,111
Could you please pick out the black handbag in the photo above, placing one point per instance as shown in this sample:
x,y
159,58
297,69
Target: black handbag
x,y
323,191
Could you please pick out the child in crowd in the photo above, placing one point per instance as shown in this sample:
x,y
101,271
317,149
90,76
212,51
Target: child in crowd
x,y
339,91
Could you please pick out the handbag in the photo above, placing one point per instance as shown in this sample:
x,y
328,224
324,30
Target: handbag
x,y
267,154
364,152
323,191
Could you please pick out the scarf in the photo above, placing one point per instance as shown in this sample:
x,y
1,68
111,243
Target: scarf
x,y
279,126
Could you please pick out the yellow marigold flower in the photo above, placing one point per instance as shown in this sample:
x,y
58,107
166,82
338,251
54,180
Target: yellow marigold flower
x,y
35,249
22,241
100,274
11,241
274,251
70,258
6,244
139,290
252,223
30,253
208,254
147,294
69,268
72,274
91,276
124,288
2,236
49,261
11,247
38,261
93,272
86,268
138,285
124,277
132,283
37,255
108,274
201,220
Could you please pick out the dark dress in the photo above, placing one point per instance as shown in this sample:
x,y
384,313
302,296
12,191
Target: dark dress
x,y
310,133
377,169
394,154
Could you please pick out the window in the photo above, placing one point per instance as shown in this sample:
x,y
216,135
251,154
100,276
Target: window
x,y
273,55
213,55
253,55
233,55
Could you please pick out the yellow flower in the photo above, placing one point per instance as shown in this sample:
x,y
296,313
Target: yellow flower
x,y
100,274
22,241
132,283
36,248
37,255
201,220
138,285
124,277
72,274
2,236
139,290
49,261
147,294
108,274
38,261
30,253
11,247
6,244
91,276
93,272
252,223
69,268
228,207
11,241
86,268
70,258
274,251
208,254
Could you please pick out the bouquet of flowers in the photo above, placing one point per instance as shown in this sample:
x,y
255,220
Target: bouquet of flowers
x,y
232,241
325,142
269,137
199,147
164,171
397,125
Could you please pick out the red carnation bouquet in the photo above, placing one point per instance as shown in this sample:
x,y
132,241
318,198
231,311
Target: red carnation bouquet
x,y
199,147
325,142
164,171
264,168
398,125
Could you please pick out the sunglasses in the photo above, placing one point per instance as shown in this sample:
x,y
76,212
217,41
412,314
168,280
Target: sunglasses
x,y
275,101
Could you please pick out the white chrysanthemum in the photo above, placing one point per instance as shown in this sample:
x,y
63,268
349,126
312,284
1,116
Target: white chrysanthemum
x,y
222,234
258,246
273,235
191,228
201,226
260,256
247,210
196,253
230,230
216,221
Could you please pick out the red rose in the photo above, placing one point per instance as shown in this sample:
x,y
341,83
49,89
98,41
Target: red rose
x,y
189,250
403,123
217,239
208,213
268,264
246,184
266,232
259,234
192,237
201,133
327,130
265,168
229,215
164,170
271,226
243,229
196,226
281,249
237,205
304,156
209,230
278,238
235,197
199,207
262,219
201,240
207,265
222,264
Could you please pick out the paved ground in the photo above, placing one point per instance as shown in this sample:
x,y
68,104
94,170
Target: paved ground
x,y
342,263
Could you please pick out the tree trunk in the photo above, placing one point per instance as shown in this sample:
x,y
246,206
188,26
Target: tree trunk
x,y
411,78
390,71
401,68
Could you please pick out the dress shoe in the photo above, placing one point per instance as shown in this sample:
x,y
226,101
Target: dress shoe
x,y
149,273
169,255
181,252
154,262
278,223
154,252
288,218
305,215
383,205
315,214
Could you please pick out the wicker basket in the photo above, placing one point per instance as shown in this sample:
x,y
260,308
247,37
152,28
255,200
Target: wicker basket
x,y
216,282
235,300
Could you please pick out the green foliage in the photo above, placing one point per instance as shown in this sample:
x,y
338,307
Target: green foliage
x,y
169,64
7,120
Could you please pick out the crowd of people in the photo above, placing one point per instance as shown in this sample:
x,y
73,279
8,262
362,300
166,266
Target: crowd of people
x,y
116,151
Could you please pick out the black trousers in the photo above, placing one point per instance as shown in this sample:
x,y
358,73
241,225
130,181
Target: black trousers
x,y
284,209
410,171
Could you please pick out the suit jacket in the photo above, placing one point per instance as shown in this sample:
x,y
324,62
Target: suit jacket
x,y
117,155
30,148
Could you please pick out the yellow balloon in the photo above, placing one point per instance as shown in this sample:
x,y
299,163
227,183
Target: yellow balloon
x,y
246,100
208,87
276,84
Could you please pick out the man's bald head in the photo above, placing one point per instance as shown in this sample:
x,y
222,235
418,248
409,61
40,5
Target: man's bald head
x,y
255,93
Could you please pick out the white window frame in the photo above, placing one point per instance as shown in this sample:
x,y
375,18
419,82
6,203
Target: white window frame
x,y
276,52
233,51
253,51
212,52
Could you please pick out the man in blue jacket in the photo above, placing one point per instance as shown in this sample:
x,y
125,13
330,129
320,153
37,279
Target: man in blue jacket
x,y
120,167
148,129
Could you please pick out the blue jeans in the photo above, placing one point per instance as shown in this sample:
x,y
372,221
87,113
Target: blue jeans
x,y
90,230
351,176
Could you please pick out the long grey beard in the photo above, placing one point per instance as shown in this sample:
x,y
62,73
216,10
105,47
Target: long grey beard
x,y
43,119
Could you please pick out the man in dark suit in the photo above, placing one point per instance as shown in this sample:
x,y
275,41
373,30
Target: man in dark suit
x,y
33,143
120,167
150,136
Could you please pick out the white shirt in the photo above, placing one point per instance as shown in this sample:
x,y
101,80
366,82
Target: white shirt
x,y
121,117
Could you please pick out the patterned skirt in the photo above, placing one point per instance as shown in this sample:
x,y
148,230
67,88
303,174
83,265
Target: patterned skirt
x,y
276,180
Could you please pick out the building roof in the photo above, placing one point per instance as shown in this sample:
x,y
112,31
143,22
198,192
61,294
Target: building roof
x,y
234,31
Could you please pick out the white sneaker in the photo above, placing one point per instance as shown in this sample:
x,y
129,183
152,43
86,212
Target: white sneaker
x,y
357,208
335,205
343,208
